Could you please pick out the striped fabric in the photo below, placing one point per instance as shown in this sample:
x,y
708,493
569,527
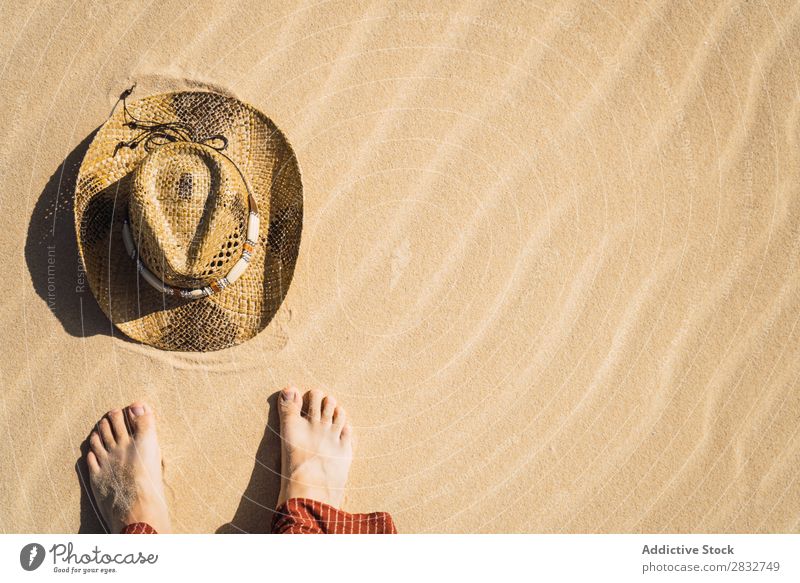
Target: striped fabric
x,y
139,528
306,516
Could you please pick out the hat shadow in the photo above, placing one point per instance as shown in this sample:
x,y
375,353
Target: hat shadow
x,y
257,505
51,253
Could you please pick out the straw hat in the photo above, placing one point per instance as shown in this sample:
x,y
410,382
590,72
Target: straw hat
x,y
188,211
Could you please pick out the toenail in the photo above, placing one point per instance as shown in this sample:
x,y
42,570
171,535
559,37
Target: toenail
x,y
137,410
287,394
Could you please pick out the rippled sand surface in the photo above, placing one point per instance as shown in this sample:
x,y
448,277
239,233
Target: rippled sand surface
x,y
549,261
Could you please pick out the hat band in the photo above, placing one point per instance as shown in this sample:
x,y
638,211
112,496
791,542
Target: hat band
x,y
214,287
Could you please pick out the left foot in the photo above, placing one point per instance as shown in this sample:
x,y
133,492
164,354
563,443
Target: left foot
x,y
125,469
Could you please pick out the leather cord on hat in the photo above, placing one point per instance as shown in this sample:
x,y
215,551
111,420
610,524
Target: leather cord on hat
x,y
154,134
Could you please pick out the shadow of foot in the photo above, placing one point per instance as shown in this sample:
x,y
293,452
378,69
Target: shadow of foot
x,y
254,514
91,523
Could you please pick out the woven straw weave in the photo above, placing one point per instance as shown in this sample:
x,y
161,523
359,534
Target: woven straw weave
x,y
188,210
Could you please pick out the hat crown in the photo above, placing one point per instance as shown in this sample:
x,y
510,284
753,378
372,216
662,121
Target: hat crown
x,y
188,214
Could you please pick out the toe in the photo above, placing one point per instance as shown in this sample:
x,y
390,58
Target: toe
x,y
104,429
339,417
289,403
117,421
314,408
347,433
92,463
96,446
141,417
328,407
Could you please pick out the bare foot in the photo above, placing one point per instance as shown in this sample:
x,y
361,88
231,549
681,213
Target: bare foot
x,y
316,447
125,469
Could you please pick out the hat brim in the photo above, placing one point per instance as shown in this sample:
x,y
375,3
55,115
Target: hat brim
x,y
238,312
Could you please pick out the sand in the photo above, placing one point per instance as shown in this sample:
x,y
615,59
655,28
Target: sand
x,y
549,261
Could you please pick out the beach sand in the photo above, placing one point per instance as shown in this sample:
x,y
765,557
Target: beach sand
x,y
548,264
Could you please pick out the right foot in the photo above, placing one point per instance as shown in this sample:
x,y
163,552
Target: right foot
x,y
125,469
316,447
